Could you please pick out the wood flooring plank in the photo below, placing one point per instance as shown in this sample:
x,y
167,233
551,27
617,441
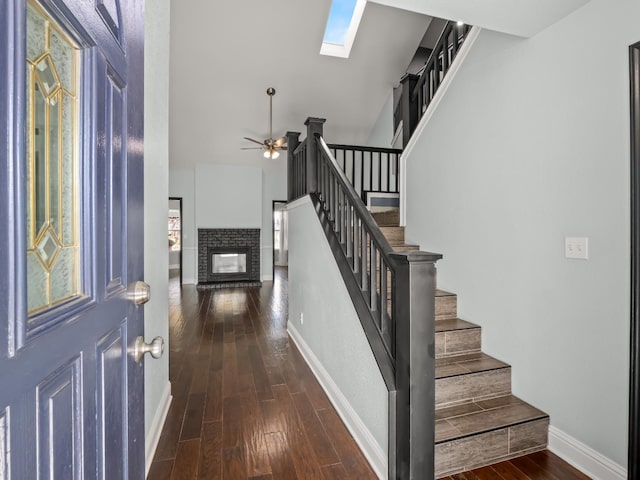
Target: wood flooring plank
x,y
279,457
233,424
262,383
334,472
210,461
322,446
185,466
234,466
508,471
351,457
533,470
557,466
160,470
257,457
214,400
192,425
487,473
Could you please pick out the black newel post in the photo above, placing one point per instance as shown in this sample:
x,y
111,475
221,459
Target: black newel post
x,y
293,140
409,107
314,125
413,427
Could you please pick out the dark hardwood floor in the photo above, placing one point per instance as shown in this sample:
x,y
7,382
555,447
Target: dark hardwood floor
x,y
246,406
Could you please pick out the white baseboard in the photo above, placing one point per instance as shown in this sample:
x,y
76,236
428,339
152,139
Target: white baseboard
x,y
267,278
174,267
370,448
186,281
151,442
584,458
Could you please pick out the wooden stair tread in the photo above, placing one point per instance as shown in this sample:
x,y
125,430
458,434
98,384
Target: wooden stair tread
x,y
442,293
450,324
479,417
467,364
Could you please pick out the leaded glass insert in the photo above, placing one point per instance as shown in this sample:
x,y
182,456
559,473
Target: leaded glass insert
x,y
53,268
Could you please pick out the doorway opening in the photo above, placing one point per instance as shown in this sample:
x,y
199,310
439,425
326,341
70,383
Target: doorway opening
x,y
280,236
175,238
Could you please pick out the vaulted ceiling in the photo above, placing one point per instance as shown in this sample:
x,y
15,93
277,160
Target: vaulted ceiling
x,y
225,54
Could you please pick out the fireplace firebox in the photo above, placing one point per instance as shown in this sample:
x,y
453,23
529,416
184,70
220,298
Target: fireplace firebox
x,y
229,264
228,256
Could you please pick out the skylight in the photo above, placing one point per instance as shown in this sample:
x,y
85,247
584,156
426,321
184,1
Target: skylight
x,y
342,25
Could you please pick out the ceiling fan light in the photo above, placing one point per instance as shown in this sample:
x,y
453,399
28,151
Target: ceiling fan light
x,y
271,153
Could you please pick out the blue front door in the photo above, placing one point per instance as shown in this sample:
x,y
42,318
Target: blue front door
x,y
71,240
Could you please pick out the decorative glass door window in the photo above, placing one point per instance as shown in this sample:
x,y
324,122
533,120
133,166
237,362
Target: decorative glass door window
x,y
52,89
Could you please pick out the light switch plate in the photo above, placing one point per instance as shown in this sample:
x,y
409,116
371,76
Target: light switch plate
x,y
576,247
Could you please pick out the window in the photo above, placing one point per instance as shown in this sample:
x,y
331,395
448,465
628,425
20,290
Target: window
x,y
175,228
53,247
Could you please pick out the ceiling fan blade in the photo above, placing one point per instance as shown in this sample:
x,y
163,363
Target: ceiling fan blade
x,y
252,148
283,147
280,142
254,141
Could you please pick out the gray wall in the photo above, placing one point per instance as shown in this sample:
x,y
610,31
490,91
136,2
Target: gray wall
x,y
218,196
382,133
331,326
530,145
156,192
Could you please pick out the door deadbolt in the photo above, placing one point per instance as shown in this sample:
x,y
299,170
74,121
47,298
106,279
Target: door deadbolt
x,y
139,292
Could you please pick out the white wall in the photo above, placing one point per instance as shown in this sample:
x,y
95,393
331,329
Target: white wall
x,y
182,184
228,196
274,187
530,145
332,329
382,132
156,192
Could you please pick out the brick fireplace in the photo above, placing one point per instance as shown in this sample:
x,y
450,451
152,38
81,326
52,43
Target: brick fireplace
x,y
228,257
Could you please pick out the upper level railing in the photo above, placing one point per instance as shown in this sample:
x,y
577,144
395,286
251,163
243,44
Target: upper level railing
x,y
369,169
393,294
419,90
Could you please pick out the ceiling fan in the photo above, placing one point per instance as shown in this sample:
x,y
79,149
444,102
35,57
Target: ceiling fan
x,y
270,146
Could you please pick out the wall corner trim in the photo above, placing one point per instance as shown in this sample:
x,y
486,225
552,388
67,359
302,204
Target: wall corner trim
x,y
370,448
583,457
153,437
437,98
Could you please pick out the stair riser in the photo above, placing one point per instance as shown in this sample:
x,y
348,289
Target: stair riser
x,y
387,218
457,341
476,386
485,449
393,234
446,307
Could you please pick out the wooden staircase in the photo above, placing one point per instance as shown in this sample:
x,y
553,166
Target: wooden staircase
x,y
478,420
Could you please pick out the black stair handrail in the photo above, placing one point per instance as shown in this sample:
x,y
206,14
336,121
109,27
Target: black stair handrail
x,y
362,241
393,294
438,64
418,91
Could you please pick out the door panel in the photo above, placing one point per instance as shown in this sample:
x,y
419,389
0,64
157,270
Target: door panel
x,y
59,424
74,408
